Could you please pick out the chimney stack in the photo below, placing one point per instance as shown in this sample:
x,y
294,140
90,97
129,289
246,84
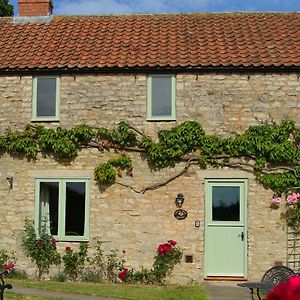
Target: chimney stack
x,y
35,8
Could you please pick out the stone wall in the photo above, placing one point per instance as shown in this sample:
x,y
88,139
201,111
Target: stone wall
x,y
221,103
224,104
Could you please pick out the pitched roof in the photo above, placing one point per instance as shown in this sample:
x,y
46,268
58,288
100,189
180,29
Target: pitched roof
x,y
202,40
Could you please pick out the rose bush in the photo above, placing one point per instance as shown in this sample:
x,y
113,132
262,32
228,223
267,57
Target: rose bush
x,y
292,212
40,249
167,256
7,259
74,260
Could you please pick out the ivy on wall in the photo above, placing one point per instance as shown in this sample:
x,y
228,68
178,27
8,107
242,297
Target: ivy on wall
x,y
269,150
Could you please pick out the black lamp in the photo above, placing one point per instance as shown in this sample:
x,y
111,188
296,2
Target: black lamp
x,y
179,200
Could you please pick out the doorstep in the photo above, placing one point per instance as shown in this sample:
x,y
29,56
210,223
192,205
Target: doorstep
x,y
224,278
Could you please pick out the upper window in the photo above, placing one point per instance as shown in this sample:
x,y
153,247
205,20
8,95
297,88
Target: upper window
x,y
45,102
64,205
161,97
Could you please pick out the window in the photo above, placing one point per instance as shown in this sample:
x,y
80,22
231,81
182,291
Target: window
x,y
64,205
225,203
45,102
161,97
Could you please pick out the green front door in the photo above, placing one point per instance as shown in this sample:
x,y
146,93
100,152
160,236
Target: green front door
x,y
225,228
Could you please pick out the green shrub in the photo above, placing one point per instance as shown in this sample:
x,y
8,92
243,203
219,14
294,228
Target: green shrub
x,y
18,274
59,277
145,276
92,276
74,261
113,266
40,249
96,265
168,255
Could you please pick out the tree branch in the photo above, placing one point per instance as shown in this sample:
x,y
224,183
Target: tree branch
x,y
157,185
137,131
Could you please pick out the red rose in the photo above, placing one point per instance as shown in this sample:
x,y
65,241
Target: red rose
x,y
9,266
160,250
172,242
167,247
53,241
40,243
68,248
122,274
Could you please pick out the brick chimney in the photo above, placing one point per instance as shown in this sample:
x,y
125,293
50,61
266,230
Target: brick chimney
x,y
35,8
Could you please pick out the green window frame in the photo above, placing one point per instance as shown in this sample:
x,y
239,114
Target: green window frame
x,y
41,94
157,96
59,204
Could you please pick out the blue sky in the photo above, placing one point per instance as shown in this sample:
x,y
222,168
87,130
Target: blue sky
x,y
78,7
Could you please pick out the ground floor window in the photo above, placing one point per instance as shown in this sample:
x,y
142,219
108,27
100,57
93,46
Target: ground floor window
x,y
64,205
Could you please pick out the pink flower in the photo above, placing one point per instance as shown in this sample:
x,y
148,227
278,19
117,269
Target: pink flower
x,y
276,200
122,274
172,242
9,266
68,248
293,198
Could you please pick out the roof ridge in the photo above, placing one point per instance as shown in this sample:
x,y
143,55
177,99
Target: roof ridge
x,y
158,15
236,13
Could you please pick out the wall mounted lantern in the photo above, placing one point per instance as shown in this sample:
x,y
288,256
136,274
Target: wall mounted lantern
x,y
179,200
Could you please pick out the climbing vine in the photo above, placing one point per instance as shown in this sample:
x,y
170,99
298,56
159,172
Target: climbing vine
x,y
106,173
270,150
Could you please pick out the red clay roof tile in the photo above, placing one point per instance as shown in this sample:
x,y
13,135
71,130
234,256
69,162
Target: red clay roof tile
x,y
130,41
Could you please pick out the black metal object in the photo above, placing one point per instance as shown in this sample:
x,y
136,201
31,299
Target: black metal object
x,y
271,278
179,200
242,236
180,214
3,286
277,274
256,287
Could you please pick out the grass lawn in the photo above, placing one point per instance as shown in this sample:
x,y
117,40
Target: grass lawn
x,y
123,291
12,296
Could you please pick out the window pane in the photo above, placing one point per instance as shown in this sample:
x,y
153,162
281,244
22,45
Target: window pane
x,y
49,192
75,208
46,97
161,96
226,203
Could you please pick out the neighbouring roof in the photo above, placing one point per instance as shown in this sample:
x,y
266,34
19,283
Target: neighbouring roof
x,y
200,40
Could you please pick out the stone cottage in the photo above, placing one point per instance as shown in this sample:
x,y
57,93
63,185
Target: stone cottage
x,y
223,70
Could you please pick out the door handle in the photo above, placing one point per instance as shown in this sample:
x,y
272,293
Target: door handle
x,y
241,235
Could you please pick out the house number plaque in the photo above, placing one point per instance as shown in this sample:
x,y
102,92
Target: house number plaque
x,y
180,214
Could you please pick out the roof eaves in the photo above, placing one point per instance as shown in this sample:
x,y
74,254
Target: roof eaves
x,y
152,70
